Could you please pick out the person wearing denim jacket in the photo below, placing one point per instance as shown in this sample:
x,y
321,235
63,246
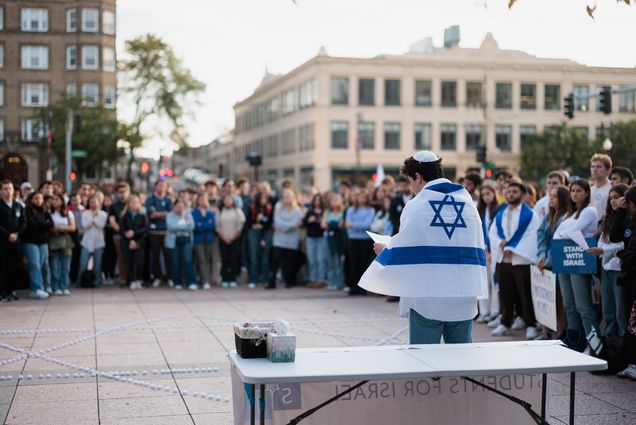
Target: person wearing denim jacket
x,y
204,235
358,220
259,236
180,226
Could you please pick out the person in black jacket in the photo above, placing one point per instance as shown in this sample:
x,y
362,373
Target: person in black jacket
x,y
623,230
12,224
134,225
400,199
35,242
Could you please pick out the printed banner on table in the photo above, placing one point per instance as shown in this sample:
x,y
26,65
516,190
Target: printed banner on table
x,y
443,401
543,287
570,258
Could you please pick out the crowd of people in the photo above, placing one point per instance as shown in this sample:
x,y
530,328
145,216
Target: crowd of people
x,y
198,239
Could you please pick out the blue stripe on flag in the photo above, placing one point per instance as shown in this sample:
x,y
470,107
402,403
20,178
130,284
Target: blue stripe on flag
x,y
405,255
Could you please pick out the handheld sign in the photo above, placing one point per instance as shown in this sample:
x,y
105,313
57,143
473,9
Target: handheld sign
x,y
570,258
543,288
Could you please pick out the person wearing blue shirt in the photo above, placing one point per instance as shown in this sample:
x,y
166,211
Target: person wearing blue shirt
x,y
158,205
357,221
204,233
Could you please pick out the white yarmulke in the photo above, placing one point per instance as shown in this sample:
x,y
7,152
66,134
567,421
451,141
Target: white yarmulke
x,y
425,156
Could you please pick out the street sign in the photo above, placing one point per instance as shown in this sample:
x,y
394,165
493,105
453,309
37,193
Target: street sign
x,y
79,154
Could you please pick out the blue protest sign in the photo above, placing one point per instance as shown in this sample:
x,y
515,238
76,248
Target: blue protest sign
x,y
569,258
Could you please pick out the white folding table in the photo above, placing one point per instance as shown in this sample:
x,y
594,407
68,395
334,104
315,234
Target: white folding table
x,y
417,361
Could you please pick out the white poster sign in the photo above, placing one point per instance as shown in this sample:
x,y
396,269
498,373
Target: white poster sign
x,y
543,286
451,400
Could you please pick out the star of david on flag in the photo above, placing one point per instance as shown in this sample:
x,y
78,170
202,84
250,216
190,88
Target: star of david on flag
x,y
438,221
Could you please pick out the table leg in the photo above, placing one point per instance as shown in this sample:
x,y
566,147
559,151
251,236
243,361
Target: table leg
x,y
253,404
572,386
544,391
261,404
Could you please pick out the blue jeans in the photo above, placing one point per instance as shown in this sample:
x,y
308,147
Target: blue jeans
x,y
317,258
260,245
427,331
60,269
577,300
335,271
97,264
614,315
37,256
181,264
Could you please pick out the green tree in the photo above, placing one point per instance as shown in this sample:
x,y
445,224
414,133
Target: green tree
x,y
558,147
623,137
97,135
158,86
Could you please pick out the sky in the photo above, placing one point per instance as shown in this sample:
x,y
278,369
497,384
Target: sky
x,y
228,44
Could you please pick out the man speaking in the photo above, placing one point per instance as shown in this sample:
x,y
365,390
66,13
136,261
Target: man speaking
x,y
436,263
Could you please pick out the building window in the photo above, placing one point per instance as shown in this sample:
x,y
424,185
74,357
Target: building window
x,y
289,104
503,96
626,101
339,135
392,92
449,93
71,57
339,91
473,136
108,22
35,57
71,20
90,20
71,90
108,59
35,20
109,97
526,132
581,98
288,142
552,97
392,136
1,55
307,98
423,93
306,138
448,137
1,130
473,94
366,134
90,57
2,23
503,137
423,136
1,93
90,94
528,96
32,130
366,92
35,94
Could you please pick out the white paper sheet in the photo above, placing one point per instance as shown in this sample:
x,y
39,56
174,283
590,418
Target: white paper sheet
x,y
383,239
579,239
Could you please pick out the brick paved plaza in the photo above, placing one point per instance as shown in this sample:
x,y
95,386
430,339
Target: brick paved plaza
x,y
179,341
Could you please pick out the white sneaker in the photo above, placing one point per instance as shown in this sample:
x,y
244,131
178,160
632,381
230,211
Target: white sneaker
x,y
178,287
156,283
518,324
532,332
57,292
233,285
39,294
171,283
225,284
206,286
482,318
48,289
631,369
66,292
500,330
192,287
251,285
494,322
346,289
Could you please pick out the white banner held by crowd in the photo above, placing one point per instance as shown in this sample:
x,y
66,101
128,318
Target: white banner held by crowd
x,y
543,287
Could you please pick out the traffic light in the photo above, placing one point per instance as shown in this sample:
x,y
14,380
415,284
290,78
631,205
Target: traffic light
x,y
490,170
568,110
606,100
482,152
72,175
77,123
144,167
254,158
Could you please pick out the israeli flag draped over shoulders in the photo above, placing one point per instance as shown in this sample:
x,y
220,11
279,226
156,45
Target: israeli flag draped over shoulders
x,y
439,251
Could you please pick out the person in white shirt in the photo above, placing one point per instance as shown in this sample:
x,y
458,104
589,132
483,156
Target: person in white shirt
x,y
577,288
555,178
93,243
601,168
513,241
614,312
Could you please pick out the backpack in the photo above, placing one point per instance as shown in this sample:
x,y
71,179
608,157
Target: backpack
x,y
87,279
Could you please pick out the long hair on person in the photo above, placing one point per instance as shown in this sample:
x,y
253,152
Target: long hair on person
x,y
563,199
611,213
481,204
583,184
29,203
62,209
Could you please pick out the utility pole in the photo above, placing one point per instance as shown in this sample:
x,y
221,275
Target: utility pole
x,y
68,148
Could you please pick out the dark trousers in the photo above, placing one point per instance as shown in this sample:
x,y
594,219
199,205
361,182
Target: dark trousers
x,y
287,261
514,281
9,263
156,251
360,251
134,262
230,260
109,260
